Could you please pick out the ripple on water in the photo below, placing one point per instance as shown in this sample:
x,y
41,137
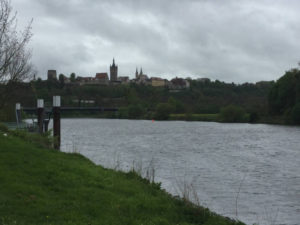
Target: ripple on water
x,y
218,159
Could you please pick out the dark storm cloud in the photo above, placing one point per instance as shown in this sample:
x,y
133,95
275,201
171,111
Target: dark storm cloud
x,y
230,40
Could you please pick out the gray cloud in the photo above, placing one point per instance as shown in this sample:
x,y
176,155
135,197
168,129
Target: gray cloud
x,y
239,41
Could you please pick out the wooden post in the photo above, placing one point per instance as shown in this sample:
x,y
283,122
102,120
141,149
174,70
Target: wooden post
x,y
56,121
18,114
40,114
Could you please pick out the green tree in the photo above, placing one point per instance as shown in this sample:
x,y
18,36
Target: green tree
x,y
135,111
61,79
296,113
72,77
232,114
176,105
285,93
163,111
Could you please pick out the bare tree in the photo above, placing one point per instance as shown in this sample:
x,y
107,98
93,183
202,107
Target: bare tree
x,y
14,56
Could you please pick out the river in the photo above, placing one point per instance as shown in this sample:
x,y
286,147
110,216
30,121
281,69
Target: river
x,y
243,171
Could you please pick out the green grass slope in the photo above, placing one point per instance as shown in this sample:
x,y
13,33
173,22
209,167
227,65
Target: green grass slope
x,y
42,186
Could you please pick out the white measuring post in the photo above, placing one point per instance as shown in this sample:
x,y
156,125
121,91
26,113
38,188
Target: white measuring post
x,y
40,114
56,121
18,114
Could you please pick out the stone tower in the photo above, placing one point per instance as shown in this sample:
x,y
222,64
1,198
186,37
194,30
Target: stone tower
x,y
52,75
113,71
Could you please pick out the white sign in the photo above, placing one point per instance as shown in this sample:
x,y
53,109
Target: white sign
x,y
40,103
56,101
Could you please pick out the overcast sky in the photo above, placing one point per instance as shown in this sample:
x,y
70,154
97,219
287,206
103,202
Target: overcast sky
x,y
233,40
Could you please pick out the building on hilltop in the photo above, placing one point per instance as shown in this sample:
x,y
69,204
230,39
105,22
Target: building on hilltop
x,y
203,80
52,75
102,78
179,83
157,82
113,72
141,78
124,80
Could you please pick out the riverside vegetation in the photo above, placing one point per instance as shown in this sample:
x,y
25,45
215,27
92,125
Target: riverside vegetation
x,y
42,186
263,102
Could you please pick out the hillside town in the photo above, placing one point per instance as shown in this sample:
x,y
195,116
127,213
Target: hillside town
x,y
140,78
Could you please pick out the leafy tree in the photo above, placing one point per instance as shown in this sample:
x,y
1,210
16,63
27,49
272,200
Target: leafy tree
x,y
163,111
285,93
232,114
135,111
72,77
176,105
61,79
296,113
15,63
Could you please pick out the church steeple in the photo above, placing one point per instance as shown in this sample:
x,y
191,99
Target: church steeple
x,y
141,72
136,73
113,71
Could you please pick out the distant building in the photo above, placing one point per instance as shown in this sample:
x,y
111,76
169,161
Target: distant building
x,y
141,78
179,83
65,79
203,80
157,82
124,80
113,72
85,80
102,78
52,75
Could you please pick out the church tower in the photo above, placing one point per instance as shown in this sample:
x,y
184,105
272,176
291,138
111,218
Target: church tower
x,y
113,71
141,72
136,73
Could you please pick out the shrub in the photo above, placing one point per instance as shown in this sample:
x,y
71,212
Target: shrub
x,y
45,140
233,114
3,128
135,111
296,113
254,117
163,111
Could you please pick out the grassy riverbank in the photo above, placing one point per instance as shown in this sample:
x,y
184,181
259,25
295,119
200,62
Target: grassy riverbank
x,y
44,186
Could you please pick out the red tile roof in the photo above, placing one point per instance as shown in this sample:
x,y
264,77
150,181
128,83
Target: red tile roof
x,y
101,76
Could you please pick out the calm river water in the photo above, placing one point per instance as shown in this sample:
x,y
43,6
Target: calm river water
x,y
249,172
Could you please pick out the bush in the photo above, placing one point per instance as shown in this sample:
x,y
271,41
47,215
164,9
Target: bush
x,y
8,114
135,111
123,113
233,114
163,111
3,128
254,117
296,113
45,140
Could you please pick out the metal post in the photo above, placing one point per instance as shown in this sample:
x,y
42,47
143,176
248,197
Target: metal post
x,y
56,121
40,114
18,114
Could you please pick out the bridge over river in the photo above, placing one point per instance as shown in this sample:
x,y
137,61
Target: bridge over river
x,y
33,110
